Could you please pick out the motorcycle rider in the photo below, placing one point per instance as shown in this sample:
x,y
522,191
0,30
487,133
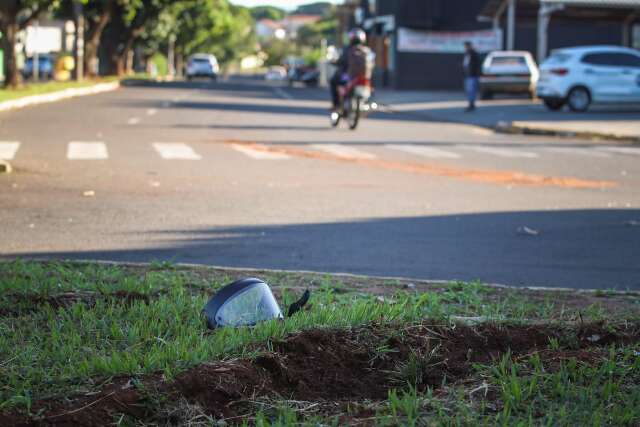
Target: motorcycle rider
x,y
346,68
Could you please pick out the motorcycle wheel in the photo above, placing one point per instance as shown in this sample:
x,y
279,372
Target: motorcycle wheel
x,y
353,116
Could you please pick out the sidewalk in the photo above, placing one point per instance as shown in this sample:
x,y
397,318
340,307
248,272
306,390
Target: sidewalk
x,y
517,115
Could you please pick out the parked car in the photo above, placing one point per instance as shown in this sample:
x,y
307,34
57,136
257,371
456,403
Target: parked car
x,y
508,72
202,65
45,67
276,74
309,76
582,76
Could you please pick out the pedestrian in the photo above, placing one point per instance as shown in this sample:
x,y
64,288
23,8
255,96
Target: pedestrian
x,y
471,66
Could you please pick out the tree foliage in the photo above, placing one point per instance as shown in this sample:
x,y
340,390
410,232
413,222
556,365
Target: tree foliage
x,y
267,12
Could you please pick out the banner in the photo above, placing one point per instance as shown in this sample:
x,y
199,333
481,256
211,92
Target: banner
x,y
448,41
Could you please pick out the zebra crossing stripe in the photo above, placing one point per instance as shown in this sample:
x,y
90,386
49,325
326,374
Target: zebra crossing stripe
x,y
622,150
579,151
176,151
257,154
8,149
502,152
344,151
420,150
80,150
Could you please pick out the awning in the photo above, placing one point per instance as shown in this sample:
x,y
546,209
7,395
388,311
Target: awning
x,y
602,10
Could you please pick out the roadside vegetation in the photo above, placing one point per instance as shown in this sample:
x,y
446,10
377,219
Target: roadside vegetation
x,y
86,344
49,87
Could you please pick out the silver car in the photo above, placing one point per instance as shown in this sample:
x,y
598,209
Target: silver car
x,y
508,72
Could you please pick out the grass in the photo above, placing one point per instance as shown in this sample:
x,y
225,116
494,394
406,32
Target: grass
x,y
31,89
67,329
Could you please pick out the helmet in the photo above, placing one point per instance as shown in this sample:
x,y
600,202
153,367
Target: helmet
x,y
242,303
357,36
246,302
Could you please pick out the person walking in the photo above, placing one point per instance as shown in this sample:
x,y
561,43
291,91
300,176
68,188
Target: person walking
x,y
471,66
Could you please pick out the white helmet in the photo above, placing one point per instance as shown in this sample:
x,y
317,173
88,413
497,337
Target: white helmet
x,y
357,36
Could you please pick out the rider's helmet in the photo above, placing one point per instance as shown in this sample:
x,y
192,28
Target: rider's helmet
x,y
357,36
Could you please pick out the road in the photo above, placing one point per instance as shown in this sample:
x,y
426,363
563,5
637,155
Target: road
x,y
245,174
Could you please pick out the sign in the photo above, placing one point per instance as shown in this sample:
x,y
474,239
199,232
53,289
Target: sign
x,y
448,41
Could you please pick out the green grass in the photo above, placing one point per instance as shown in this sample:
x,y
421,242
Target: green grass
x,y
44,88
66,328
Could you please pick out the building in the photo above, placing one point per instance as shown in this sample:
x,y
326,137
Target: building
x,y
419,43
269,29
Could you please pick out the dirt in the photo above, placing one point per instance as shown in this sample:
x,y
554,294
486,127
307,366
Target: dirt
x,y
327,365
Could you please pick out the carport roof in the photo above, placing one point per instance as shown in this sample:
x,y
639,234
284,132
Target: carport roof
x,y
612,10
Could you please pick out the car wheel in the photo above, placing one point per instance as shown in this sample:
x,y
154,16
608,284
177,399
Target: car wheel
x,y
553,104
579,99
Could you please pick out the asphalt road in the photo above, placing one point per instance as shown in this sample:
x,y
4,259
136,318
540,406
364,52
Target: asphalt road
x,y
250,175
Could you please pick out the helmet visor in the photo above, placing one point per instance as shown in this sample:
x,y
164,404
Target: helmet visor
x,y
248,307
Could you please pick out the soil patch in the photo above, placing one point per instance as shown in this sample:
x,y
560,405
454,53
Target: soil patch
x,y
334,365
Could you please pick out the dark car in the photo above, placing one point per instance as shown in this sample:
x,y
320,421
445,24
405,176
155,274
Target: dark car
x,y
45,67
310,76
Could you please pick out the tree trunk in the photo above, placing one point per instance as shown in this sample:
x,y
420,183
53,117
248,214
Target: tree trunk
x,y
93,39
9,34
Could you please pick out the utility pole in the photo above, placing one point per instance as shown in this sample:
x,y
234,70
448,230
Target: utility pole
x,y
79,44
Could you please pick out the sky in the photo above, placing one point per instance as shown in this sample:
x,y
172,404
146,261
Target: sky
x,y
285,4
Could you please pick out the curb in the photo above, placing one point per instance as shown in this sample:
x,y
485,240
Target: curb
x,y
5,167
520,129
28,101
344,275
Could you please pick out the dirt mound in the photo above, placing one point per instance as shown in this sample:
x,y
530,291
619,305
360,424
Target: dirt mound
x,y
331,365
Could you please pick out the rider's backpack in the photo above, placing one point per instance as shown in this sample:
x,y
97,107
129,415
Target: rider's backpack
x,y
360,62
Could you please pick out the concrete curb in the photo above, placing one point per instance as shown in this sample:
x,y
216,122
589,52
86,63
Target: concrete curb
x,y
28,101
5,167
338,275
522,129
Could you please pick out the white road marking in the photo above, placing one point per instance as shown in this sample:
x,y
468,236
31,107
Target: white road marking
x,y
259,154
589,152
176,151
420,150
281,93
133,121
622,150
80,150
8,149
343,151
152,112
501,152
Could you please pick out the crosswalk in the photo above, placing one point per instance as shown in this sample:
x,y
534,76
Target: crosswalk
x,y
99,150
78,150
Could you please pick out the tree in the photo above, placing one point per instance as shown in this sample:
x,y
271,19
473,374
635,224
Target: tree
x,y
98,14
210,26
321,8
267,12
16,15
129,20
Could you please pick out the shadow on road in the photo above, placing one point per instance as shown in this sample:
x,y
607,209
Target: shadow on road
x,y
574,248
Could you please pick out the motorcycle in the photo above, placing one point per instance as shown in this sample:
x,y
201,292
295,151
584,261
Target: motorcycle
x,y
355,103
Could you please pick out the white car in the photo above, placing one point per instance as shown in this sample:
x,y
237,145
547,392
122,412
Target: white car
x,y
582,76
202,65
508,72
276,74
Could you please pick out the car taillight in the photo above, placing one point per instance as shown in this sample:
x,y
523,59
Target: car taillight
x,y
559,71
